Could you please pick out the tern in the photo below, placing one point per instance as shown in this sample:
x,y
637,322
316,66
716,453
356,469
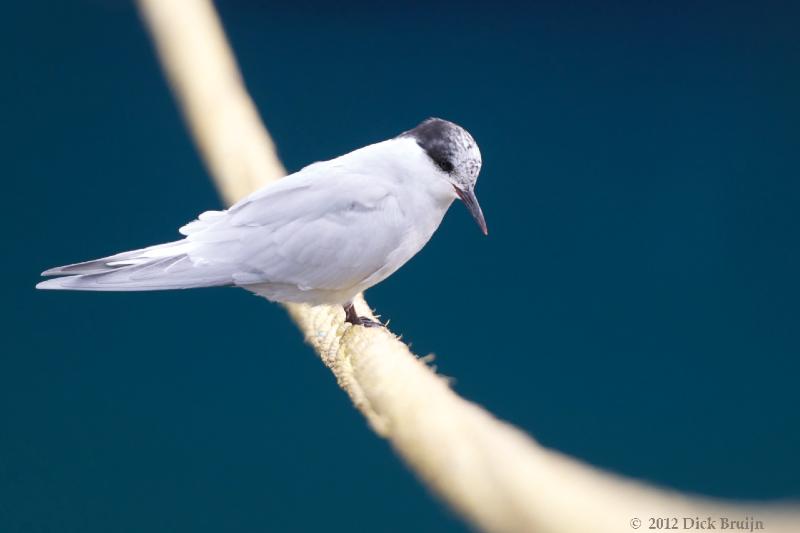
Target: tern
x,y
319,236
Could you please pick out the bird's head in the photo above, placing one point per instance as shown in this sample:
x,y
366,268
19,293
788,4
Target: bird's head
x,y
456,156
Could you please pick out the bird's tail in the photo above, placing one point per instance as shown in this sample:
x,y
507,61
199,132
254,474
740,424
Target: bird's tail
x,y
160,267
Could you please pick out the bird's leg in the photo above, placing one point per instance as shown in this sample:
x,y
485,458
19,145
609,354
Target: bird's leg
x,y
352,317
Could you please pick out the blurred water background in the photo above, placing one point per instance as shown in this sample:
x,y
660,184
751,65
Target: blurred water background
x,y
635,304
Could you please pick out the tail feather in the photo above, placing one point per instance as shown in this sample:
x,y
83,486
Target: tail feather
x,y
114,262
95,266
166,266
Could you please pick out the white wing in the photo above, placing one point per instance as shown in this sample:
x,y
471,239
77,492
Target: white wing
x,y
325,227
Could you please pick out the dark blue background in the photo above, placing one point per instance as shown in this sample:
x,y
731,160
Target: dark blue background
x,y
635,305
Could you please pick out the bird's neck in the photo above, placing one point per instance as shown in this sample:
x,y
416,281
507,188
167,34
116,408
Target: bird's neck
x,y
425,199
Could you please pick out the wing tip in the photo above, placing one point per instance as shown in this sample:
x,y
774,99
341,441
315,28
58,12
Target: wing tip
x,y
55,271
51,284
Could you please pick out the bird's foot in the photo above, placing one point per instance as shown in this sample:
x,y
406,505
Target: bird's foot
x,y
351,317
367,322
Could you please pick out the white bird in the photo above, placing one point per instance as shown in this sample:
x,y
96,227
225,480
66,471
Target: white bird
x,y
318,236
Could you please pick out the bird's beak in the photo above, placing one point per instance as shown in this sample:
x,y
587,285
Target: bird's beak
x,y
471,201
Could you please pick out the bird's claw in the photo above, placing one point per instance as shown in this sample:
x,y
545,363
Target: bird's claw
x,y
351,317
368,322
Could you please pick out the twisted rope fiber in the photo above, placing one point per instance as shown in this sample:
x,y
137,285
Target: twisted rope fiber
x,y
496,477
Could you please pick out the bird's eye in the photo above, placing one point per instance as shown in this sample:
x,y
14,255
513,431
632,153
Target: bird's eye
x,y
447,166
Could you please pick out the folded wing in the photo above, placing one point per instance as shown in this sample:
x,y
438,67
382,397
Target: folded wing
x,y
322,228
